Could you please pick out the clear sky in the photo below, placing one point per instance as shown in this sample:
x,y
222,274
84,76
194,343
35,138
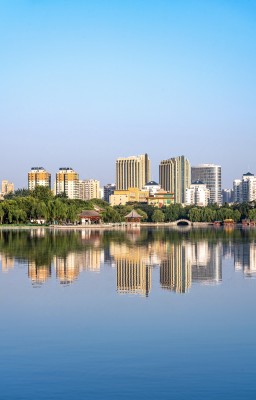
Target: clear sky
x,y
84,82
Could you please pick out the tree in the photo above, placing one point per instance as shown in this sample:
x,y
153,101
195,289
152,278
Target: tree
x,y
42,193
172,212
61,195
195,214
17,193
1,214
158,216
143,214
72,213
111,215
208,214
252,214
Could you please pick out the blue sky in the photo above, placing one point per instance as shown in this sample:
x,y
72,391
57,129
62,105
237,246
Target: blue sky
x,y
84,82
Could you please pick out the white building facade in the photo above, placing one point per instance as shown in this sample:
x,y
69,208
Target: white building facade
x,y
245,189
210,175
198,194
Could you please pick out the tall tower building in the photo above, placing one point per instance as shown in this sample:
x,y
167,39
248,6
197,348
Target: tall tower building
x,y
237,190
67,182
175,177
132,172
38,176
210,175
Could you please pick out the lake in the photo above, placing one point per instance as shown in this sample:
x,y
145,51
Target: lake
x,y
140,314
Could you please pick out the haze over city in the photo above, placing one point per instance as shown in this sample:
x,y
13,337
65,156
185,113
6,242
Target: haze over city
x,y
86,82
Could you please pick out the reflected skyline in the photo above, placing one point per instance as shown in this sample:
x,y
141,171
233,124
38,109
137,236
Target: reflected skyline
x,y
180,258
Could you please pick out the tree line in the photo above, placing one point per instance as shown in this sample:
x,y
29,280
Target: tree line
x,y
23,206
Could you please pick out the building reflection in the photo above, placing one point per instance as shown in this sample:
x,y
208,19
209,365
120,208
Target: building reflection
x,y
38,274
175,261
133,273
206,261
7,262
69,267
175,270
245,259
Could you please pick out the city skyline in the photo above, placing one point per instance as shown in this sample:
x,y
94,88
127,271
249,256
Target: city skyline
x,y
86,80
105,182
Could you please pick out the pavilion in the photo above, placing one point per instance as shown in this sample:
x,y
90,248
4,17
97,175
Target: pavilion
x,y
89,217
133,217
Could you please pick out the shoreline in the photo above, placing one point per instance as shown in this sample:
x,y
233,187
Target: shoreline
x,y
194,225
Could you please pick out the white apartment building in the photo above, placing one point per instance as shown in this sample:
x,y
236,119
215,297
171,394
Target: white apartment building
x,y
89,189
210,175
245,189
198,194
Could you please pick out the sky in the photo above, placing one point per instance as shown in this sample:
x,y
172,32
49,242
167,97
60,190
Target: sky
x,y
85,82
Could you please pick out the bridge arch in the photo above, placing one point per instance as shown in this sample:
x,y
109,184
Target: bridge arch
x,y
183,222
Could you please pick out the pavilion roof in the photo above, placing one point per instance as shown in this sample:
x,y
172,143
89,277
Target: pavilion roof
x,y
89,213
133,214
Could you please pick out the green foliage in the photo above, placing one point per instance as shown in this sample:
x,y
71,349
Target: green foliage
x,y
111,215
195,214
24,206
158,216
42,193
143,214
252,214
17,193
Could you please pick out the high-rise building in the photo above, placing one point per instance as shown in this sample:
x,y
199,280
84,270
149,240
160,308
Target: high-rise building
x,y
248,187
245,189
237,191
67,182
210,175
132,172
175,177
38,176
108,191
89,189
197,194
7,187
227,196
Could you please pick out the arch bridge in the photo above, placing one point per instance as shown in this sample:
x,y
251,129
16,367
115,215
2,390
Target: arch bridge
x,y
182,222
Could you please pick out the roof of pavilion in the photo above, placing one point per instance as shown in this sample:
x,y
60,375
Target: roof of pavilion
x,y
133,214
89,214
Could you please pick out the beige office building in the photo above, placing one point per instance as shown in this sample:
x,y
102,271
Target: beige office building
x,y
38,176
175,177
89,189
6,187
132,172
67,181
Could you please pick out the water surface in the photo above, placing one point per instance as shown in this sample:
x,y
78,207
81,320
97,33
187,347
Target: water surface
x,y
150,313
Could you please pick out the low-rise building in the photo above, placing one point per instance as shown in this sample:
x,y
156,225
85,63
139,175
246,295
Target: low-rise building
x,y
132,195
160,199
152,187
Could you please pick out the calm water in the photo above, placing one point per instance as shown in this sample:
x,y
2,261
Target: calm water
x,y
150,314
